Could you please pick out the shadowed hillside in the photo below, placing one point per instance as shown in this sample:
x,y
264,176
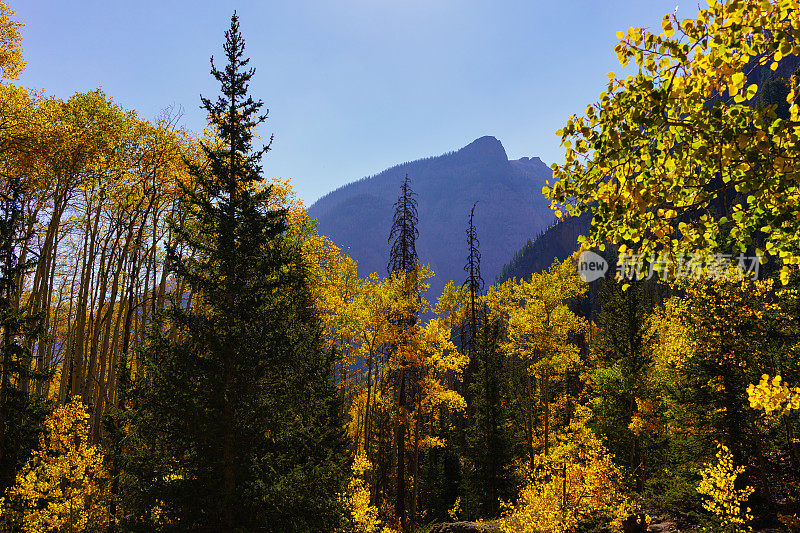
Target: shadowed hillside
x,y
511,210
558,241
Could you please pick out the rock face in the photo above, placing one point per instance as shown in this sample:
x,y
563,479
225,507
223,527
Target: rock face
x,y
511,210
464,527
635,523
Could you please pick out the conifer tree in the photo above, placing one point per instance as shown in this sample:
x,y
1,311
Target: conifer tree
x,y
489,478
404,233
237,423
474,281
403,261
624,360
487,473
21,412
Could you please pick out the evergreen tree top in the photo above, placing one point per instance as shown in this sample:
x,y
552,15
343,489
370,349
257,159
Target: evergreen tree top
x,y
474,280
403,235
235,115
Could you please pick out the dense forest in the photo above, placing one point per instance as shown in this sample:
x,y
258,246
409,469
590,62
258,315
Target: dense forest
x,y
181,349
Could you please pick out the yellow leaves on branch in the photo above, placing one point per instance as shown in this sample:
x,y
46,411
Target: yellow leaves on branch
x,y
736,304
363,515
11,62
721,495
655,139
283,196
669,334
62,486
437,394
359,317
90,148
773,396
577,480
540,323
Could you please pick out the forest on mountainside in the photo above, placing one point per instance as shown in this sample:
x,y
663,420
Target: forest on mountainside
x,y
181,350
511,208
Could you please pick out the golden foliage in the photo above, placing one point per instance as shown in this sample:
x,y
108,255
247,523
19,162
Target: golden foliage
x,y
363,515
722,497
642,157
773,395
11,62
718,320
62,486
669,334
576,482
541,326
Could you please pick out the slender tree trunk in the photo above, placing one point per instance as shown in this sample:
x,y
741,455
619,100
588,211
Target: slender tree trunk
x,y
528,413
91,383
415,465
790,444
67,363
546,391
78,351
367,406
400,500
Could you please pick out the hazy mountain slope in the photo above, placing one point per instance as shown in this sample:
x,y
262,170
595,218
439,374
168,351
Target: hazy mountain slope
x,y
510,211
556,242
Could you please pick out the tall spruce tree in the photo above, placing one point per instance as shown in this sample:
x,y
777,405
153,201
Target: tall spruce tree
x,y
236,425
404,233
624,361
403,261
474,281
487,473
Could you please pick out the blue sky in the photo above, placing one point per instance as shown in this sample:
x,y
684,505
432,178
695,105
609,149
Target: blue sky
x,y
353,86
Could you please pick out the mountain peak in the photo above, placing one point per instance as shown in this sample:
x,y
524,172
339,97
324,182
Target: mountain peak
x,y
486,148
531,163
531,160
358,216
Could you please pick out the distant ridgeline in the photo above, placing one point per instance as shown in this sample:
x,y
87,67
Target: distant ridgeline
x,y
511,209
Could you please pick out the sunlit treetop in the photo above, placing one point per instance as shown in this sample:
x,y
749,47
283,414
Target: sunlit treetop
x,y
677,157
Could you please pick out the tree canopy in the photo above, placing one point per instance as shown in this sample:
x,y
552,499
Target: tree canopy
x,y
676,157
